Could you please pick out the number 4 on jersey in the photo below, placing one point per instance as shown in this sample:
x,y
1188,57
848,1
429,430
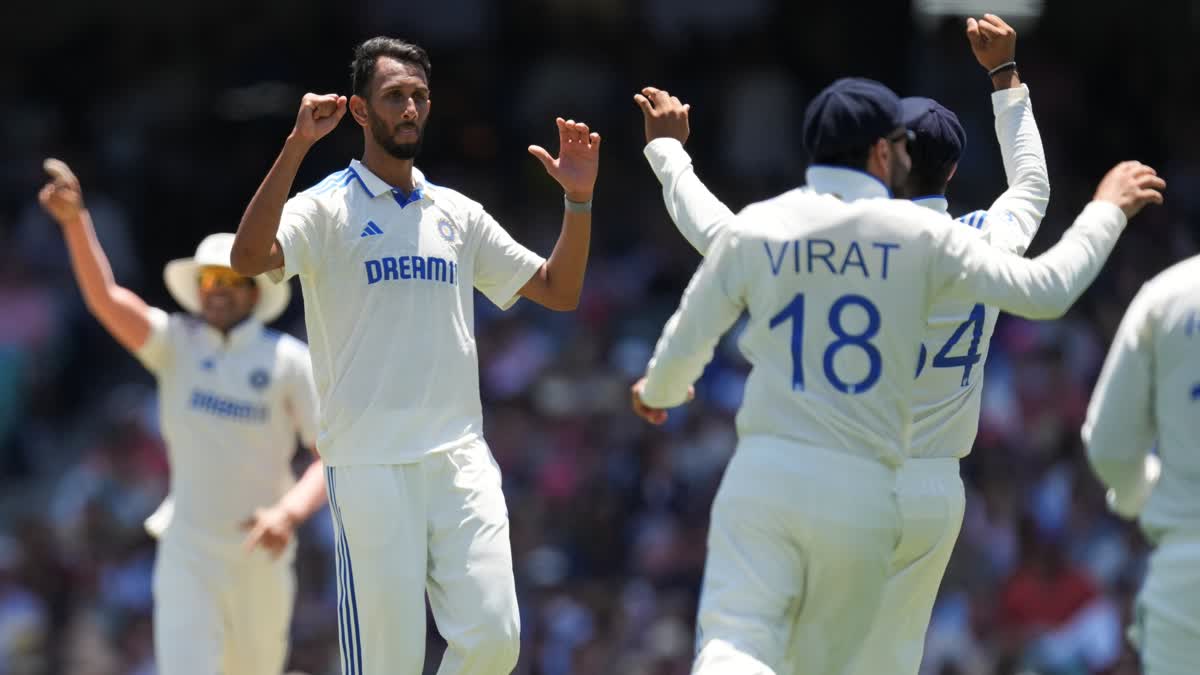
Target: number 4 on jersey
x,y
967,361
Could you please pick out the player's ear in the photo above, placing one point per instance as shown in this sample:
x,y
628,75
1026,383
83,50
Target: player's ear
x,y
358,109
879,160
953,170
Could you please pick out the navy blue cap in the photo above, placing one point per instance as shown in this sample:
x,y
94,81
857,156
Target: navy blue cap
x,y
849,114
940,138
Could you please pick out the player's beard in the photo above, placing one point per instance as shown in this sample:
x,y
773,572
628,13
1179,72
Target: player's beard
x,y
384,136
899,174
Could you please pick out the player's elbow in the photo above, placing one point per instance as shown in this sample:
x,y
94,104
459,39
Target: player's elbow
x,y
246,261
563,302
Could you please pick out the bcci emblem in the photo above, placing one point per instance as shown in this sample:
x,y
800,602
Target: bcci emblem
x,y
446,229
259,379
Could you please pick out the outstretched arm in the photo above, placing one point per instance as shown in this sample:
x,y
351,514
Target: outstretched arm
x,y
122,313
1015,216
696,211
1044,288
559,281
255,250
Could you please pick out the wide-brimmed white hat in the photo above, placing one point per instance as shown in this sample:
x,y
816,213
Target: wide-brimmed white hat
x,y
180,276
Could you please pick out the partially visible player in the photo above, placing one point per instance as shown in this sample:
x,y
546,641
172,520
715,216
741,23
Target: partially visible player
x,y
948,390
839,287
233,396
1148,396
389,264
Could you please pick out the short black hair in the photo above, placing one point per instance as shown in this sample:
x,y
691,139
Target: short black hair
x,y
849,159
930,174
366,56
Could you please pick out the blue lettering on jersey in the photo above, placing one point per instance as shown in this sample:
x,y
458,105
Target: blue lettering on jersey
x,y
240,411
823,255
406,267
1193,324
1196,393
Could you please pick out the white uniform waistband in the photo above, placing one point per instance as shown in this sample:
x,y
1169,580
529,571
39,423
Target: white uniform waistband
x,y
783,452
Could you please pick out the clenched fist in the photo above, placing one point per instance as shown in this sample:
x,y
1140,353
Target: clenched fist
x,y
993,41
319,114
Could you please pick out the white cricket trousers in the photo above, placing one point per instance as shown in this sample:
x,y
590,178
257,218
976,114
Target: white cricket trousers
x,y
220,611
799,545
932,504
438,525
1167,633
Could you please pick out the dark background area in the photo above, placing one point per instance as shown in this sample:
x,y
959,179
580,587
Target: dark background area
x,y
172,113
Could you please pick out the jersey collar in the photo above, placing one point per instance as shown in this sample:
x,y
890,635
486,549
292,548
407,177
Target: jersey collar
x,y
846,184
241,335
375,186
936,202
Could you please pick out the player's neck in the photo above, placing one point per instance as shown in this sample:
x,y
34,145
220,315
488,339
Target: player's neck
x,y
397,173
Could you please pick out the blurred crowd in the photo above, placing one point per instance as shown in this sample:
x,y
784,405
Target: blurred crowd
x,y
171,114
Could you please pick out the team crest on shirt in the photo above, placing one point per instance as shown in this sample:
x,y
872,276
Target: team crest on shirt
x,y
259,379
446,229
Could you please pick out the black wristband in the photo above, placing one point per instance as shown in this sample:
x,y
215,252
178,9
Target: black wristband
x,y
1011,65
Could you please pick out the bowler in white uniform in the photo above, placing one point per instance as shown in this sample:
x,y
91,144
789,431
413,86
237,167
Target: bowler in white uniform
x,y
389,264
839,287
950,364
233,398
1148,397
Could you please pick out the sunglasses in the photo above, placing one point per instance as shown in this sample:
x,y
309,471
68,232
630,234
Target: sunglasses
x,y
210,278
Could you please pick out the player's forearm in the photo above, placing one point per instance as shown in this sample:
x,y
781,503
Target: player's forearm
x,y
674,368
696,211
567,265
1008,79
1047,286
1028,193
89,263
255,240
307,496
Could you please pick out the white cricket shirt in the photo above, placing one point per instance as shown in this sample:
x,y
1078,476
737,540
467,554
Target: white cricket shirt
x,y
948,391
1148,393
388,284
839,293
230,409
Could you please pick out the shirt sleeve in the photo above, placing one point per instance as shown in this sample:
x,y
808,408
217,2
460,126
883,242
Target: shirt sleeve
x,y
298,238
711,304
696,211
965,266
1014,218
1120,429
302,394
502,266
157,352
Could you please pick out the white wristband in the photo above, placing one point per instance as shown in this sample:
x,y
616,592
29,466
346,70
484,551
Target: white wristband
x,y
577,207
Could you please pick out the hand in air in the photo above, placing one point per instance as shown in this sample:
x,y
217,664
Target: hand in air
x,y
665,115
319,114
578,159
1131,186
993,41
61,196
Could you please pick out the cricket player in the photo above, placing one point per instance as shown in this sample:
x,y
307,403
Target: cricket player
x,y
233,397
947,393
1148,396
388,263
839,286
